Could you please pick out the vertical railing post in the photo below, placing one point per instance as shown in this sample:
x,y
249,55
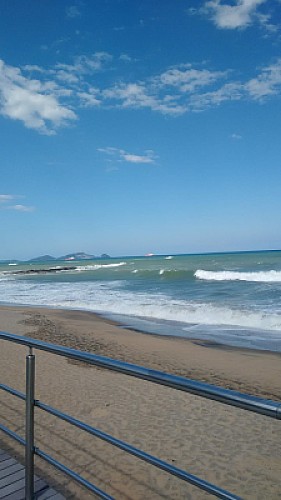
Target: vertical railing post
x,y
29,426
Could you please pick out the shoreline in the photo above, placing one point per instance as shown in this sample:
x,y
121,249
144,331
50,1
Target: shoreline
x,y
113,319
221,444
204,342
215,363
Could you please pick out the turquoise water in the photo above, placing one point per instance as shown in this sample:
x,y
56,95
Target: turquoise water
x,y
229,298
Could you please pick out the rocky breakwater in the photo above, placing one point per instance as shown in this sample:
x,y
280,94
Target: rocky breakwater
x,y
55,269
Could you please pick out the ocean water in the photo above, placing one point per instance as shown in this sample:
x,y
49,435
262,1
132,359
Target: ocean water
x,y
233,298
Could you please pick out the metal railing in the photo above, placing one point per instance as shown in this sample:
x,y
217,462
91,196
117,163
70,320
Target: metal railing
x,y
251,403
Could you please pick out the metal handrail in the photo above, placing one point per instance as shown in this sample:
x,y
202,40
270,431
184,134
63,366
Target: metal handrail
x,y
247,402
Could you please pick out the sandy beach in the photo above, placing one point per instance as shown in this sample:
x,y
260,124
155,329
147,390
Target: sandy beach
x,y
237,450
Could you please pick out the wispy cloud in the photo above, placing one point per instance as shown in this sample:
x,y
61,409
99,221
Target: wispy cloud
x,y
75,75
51,100
167,93
126,58
120,155
186,89
85,64
164,93
185,78
72,12
6,199
90,98
20,208
227,92
235,137
267,83
236,14
148,157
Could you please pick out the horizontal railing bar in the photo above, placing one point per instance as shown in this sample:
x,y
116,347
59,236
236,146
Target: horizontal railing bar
x,y
226,396
190,478
12,391
12,434
72,474
57,464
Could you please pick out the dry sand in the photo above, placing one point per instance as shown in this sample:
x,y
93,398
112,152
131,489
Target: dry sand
x,y
235,449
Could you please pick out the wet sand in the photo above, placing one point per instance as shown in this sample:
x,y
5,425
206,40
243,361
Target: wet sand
x,y
237,450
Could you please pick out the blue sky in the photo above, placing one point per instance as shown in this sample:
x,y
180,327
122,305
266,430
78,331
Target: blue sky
x,y
129,126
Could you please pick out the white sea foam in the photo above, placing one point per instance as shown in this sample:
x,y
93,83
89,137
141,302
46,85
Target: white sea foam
x,y
95,267
112,297
4,277
260,276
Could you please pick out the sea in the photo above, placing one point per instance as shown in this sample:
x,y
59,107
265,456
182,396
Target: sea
x,y
233,299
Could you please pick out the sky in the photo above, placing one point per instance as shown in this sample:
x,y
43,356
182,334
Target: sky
x,y
137,126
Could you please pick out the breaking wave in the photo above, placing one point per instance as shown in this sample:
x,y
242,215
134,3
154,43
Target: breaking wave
x,y
259,276
95,267
112,297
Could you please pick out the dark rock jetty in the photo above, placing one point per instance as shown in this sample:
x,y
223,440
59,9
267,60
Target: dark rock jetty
x,y
44,271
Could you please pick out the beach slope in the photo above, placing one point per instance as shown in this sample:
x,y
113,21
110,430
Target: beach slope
x,y
237,450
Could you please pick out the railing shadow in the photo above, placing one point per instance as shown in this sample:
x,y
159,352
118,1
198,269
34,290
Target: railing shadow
x,y
250,403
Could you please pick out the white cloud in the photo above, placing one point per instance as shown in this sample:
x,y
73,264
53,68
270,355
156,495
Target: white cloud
x,y
183,89
85,64
108,150
234,14
73,12
137,158
227,92
121,155
20,208
5,199
68,77
132,95
90,98
33,68
267,83
187,79
235,137
31,101
167,93
125,58
71,78
49,101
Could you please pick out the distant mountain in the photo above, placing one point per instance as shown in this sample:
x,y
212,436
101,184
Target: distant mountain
x,y
69,257
42,258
